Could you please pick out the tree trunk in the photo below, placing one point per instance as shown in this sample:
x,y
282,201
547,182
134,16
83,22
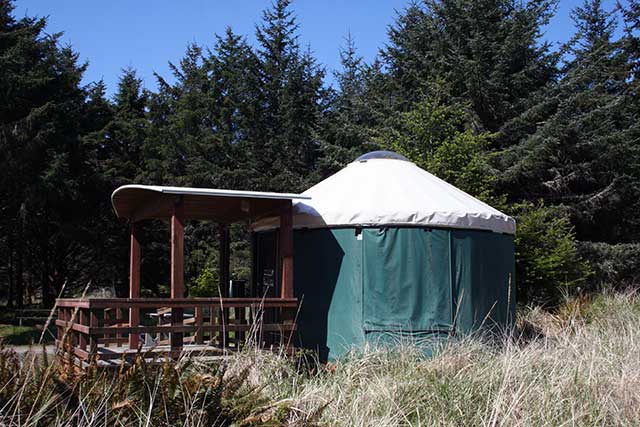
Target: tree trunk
x,y
19,285
10,294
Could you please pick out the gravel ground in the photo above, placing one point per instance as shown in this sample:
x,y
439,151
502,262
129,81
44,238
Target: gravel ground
x,y
24,349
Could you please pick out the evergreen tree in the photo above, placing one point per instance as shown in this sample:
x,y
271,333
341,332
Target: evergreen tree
x,y
458,81
487,53
292,104
119,150
44,179
202,127
181,119
177,152
348,125
578,147
117,159
234,70
199,123
631,38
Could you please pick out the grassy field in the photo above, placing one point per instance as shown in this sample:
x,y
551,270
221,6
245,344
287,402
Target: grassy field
x,y
22,335
578,366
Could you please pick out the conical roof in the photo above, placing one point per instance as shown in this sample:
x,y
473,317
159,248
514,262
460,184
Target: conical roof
x,y
384,188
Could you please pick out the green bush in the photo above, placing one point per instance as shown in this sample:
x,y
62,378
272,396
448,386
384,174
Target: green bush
x,y
22,335
615,266
548,263
206,284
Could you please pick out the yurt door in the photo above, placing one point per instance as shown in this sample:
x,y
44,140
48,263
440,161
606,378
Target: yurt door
x,y
265,265
406,281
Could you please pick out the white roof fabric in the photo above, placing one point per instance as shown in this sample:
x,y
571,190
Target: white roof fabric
x,y
387,191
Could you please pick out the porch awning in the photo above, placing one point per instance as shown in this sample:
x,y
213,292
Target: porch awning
x,y
138,202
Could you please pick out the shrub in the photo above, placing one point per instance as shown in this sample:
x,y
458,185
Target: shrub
x,y
206,284
34,391
615,266
22,335
548,263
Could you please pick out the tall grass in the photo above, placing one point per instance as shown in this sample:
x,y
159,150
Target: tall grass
x,y
578,366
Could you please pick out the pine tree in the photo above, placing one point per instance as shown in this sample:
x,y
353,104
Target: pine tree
x,y
487,53
42,117
235,93
631,39
347,127
119,149
199,122
292,104
201,129
577,147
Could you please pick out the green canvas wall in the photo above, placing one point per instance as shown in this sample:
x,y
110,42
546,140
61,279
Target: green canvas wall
x,y
381,284
328,279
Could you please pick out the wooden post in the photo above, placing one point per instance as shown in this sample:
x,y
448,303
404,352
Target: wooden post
x,y
60,328
286,250
93,340
223,269
199,339
286,257
214,320
84,321
224,316
177,271
223,259
134,284
119,322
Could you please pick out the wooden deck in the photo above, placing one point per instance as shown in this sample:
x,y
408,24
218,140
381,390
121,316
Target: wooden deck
x,y
113,331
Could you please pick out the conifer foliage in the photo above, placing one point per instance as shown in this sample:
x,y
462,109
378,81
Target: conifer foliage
x,y
468,89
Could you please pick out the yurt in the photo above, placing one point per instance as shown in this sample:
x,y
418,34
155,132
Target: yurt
x,y
385,250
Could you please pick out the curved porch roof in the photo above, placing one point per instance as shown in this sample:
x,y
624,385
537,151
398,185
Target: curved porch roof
x,y
138,202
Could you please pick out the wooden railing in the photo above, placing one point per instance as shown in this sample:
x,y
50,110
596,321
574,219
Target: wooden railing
x,y
118,328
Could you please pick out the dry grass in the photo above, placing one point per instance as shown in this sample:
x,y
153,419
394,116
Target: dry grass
x,y
579,366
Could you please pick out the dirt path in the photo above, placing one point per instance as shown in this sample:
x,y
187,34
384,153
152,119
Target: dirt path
x,y
24,349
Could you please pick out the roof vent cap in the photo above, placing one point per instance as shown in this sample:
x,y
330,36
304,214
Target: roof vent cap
x,y
381,154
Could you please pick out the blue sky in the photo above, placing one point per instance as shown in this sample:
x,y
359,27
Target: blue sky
x,y
145,35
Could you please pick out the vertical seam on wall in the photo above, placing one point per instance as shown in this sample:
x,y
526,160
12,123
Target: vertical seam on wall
x,y
453,303
362,301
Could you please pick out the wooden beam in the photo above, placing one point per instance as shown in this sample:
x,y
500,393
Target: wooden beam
x,y
99,331
286,250
134,282
223,259
102,303
134,263
177,271
155,208
177,252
